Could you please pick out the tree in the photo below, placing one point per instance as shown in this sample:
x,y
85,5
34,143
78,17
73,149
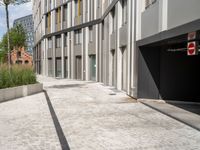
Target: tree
x,y
17,36
6,3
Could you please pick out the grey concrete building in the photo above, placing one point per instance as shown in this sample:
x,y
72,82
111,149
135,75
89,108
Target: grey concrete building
x,y
138,46
165,70
87,40
27,23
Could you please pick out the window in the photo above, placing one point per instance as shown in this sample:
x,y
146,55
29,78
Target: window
x,y
65,13
91,12
65,40
48,20
103,30
49,43
78,36
58,20
19,55
113,20
90,33
78,7
124,11
58,41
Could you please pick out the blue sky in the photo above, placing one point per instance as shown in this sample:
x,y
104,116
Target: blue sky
x,y
15,12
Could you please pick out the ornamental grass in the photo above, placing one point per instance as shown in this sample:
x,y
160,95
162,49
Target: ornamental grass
x,y
19,75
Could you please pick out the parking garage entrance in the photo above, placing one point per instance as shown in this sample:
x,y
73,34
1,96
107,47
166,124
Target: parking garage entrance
x,y
167,72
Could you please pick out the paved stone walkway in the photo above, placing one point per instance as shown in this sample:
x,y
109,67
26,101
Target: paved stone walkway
x,y
26,124
92,117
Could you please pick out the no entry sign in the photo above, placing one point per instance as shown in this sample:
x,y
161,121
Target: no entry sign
x,y
192,49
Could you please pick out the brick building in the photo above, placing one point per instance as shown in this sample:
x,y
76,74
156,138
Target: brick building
x,y
21,57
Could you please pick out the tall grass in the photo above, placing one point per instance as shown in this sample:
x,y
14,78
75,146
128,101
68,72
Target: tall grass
x,y
19,75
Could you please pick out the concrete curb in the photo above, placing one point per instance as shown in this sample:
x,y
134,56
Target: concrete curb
x,y
20,91
181,115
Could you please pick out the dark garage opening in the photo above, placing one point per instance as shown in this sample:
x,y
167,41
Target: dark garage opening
x,y
168,75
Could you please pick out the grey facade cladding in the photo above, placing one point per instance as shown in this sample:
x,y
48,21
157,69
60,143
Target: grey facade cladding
x,y
120,46
92,46
163,74
27,23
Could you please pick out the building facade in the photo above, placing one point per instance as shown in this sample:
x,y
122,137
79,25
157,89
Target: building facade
x,y
121,43
165,70
87,40
27,23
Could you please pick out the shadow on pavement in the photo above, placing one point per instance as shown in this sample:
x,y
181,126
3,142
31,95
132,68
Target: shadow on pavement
x,y
191,107
67,86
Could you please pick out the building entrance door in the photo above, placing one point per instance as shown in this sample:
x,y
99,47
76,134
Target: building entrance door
x,y
78,67
124,69
93,67
113,67
58,67
66,67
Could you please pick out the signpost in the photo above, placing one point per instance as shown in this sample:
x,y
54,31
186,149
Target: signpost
x,y
192,48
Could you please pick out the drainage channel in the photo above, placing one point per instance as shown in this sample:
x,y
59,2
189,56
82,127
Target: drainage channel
x,y
63,141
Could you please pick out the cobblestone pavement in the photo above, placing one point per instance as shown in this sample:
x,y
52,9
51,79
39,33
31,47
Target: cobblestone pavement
x,y
26,124
94,118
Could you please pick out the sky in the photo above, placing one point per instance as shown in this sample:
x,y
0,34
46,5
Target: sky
x,y
16,11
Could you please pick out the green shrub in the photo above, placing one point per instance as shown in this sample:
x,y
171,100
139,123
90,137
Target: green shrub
x,y
19,75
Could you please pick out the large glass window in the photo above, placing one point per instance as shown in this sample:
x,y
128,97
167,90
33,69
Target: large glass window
x,y
58,20
65,40
65,13
90,33
78,7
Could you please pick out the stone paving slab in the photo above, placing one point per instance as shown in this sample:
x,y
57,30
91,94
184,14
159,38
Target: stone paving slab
x,y
26,124
92,119
182,115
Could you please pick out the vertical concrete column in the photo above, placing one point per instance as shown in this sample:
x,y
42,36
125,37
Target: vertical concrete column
x,y
86,53
109,60
134,54
72,62
164,13
84,11
61,24
118,49
82,49
138,19
69,15
62,55
72,12
130,42
46,57
99,54
54,55
97,50
53,23
69,54
95,9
